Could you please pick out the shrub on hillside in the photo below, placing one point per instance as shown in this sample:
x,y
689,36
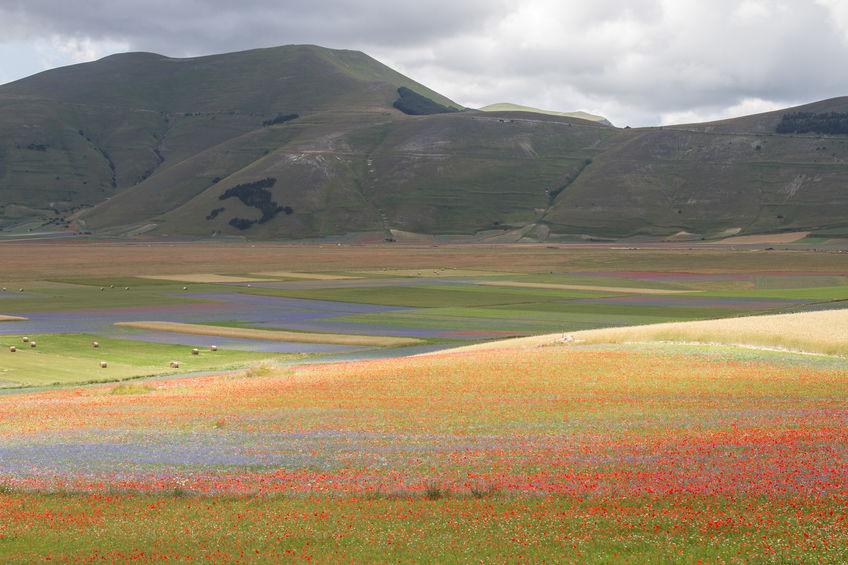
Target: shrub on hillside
x,y
414,104
280,119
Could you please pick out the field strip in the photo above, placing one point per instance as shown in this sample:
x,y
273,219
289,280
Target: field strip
x,y
789,237
824,332
307,276
200,278
273,335
433,273
555,286
11,318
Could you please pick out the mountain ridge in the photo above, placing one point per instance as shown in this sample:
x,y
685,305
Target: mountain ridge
x,y
140,142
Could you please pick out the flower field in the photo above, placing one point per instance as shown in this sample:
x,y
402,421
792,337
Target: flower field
x,y
575,454
699,438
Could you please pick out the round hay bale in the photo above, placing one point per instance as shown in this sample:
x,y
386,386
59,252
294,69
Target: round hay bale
x,y
20,290
95,345
103,364
195,351
13,349
126,288
213,348
25,339
102,289
175,364
32,344
185,288
111,286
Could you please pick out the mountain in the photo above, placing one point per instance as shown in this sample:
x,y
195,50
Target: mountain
x,y
507,107
302,141
736,175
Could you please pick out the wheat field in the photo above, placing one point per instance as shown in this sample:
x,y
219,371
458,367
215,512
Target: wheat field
x,y
824,332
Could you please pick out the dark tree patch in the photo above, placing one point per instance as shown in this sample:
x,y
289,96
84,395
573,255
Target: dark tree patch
x,y
214,213
241,223
280,119
256,195
414,104
808,122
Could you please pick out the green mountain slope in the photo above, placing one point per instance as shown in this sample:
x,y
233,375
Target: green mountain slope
x,y
75,136
736,174
302,141
508,107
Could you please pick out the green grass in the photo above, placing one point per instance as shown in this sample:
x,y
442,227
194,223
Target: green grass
x,y
537,317
118,282
71,359
790,282
562,278
492,529
39,297
426,296
131,389
814,294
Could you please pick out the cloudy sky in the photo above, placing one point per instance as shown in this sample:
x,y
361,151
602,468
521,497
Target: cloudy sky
x,y
638,62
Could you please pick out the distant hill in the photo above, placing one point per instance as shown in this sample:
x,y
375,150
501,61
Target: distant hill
x,y
302,141
713,178
507,107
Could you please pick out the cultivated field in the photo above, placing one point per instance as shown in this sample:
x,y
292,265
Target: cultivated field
x,y
546,454
272,335
824,332
673,425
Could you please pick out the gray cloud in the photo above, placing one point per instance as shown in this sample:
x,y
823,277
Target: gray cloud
x,y
635,61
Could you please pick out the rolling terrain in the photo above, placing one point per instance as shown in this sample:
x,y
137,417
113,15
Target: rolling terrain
x,y
715,179
509,107
305,142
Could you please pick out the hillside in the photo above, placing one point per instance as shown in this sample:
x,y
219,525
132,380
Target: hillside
x,y
711,179
75,136
508,107
301,141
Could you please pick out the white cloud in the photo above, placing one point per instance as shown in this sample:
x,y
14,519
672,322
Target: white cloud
x,y
61,50
746,107
638,62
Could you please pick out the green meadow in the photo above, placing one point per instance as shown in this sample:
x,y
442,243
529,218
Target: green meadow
x,y
431,296
65,359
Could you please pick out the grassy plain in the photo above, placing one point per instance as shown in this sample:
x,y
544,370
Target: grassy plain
x,y
423,296
70,359
57,260
595,288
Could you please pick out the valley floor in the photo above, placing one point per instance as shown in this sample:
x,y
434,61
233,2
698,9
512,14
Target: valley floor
x,y
615,445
